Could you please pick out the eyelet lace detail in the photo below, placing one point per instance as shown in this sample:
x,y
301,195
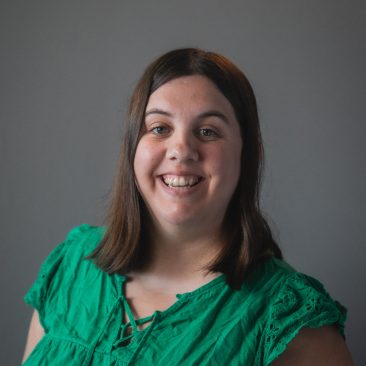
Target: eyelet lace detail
x,y
301,302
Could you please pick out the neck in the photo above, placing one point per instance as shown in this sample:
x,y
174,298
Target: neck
x,y
180,255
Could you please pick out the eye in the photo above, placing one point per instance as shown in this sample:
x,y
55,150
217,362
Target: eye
x,y
208,133
159,130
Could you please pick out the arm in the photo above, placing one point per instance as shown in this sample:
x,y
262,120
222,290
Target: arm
x,y
35,334
316,347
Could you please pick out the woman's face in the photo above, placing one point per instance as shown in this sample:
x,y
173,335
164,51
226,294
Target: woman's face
x,y
187,162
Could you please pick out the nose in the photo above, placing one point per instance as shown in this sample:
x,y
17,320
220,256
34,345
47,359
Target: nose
x,y
182,149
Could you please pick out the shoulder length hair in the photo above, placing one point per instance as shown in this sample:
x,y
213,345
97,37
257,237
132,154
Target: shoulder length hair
x,y
247,236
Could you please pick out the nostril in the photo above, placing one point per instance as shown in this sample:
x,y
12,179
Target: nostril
x,y
182,153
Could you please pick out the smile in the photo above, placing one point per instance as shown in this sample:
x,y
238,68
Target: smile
x,y
179,181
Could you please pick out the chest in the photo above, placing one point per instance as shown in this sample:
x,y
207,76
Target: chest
x,y
143,303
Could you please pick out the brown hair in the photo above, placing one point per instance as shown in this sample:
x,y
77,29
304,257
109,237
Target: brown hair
x,y
248,238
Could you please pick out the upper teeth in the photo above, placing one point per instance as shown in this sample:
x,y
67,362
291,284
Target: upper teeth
x,y
174,181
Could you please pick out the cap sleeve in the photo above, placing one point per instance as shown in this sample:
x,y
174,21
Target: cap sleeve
x,y
301,302
49,273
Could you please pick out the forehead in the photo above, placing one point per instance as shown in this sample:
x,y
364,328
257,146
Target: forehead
x,y
191,93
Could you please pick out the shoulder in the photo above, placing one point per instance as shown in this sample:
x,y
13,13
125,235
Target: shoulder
x,y
268,272
81,240
73,253
79,243
284,285
292,301
303,294
64,260
64,269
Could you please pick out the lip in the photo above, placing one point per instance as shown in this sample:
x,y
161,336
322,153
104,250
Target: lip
x,y
178,173
189,180
181,174
180,191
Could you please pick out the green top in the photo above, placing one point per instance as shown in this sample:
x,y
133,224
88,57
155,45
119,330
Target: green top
x,y
82,309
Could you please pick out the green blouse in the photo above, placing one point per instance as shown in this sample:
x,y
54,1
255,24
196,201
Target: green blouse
x,y
82,309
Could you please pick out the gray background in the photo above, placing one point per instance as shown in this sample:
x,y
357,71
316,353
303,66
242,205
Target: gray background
x,y
67,70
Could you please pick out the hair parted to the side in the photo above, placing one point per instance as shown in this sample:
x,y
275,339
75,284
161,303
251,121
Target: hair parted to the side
x,y
248,238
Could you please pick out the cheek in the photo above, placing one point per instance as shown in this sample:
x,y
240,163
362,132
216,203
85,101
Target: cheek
x,y
225,161
234,156
146,159
139,163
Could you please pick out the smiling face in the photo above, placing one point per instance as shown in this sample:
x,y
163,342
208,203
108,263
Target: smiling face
x,y
187,162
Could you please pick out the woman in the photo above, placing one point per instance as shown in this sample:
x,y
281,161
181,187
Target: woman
x,y
186,271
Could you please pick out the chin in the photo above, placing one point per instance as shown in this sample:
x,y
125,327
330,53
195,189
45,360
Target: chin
x,y
180,220
181,217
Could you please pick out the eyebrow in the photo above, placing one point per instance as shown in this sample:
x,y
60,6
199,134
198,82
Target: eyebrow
x,y
157,111
206,114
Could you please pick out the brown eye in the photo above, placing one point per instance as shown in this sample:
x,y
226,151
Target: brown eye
x,y
208,133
